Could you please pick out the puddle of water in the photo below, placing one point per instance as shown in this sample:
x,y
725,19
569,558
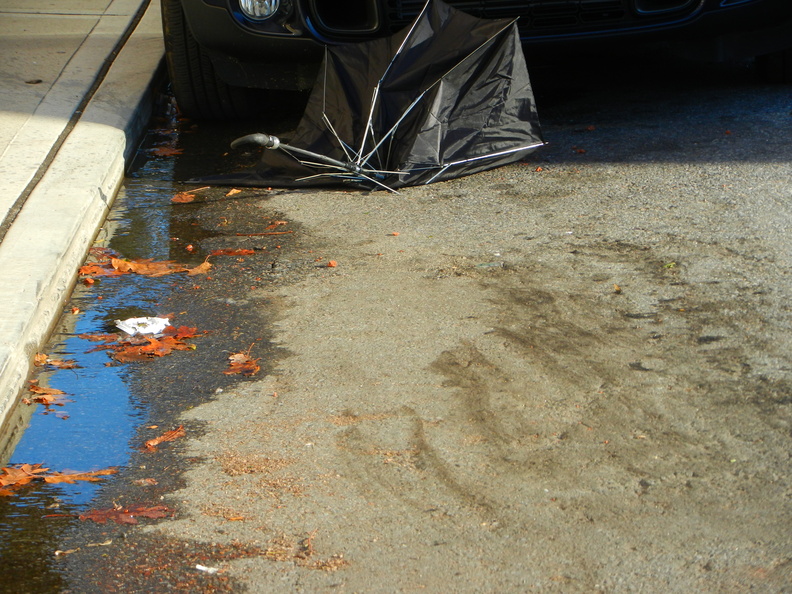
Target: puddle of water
x,y
95,429
98,427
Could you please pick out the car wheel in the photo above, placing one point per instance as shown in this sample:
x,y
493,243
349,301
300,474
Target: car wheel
x,y
776,67
198,90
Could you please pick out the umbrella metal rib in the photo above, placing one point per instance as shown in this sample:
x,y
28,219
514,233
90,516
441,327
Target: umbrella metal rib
x,y
380,113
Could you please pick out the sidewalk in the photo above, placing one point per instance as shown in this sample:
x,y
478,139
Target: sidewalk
x,y
73,102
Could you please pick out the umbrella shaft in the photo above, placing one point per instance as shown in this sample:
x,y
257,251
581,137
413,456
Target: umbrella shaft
x,y
351,167
273,142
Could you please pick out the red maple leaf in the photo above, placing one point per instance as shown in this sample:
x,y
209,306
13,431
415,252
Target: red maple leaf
x,y
126,515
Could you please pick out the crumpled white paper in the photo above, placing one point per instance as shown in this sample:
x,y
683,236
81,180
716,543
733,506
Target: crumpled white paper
x,y
204,568
134,326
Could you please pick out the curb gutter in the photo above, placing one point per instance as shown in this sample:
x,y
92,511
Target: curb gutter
x,y
52,232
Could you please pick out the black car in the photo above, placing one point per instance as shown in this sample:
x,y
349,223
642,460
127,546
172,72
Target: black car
x,y
219,52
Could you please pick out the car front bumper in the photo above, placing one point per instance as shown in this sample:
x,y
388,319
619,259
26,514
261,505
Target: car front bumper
x,y
286,55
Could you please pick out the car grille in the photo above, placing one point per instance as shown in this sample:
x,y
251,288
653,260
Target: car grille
x,y
540,18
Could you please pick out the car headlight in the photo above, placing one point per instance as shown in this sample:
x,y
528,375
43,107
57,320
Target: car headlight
x,y
259,10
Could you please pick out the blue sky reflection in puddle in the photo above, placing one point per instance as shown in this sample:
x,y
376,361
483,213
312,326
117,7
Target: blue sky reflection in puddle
x,y
104,415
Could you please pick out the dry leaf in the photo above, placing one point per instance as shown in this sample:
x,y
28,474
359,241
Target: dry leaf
x,y
21,474
243,364
14,477
183,198
166,151
264,233
151,444
147,267
63,364
110,264
146,482
46,396
99,270
71,477
200,269
181,332
47,400
126,515
145,347
232,252
188,196
36,389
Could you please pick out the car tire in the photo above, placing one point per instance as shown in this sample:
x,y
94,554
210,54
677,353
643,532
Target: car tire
x,y
776,67
199,92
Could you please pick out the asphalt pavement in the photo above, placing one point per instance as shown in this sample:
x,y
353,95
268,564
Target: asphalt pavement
x,y
567,375
74,85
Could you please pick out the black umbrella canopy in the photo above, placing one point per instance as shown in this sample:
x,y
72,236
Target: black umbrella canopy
x,y
446,97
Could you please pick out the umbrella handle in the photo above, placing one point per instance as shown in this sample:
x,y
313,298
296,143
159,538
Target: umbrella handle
x,y
273,142
265,140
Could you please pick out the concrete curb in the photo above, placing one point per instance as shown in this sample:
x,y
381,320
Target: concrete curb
x,y
42,250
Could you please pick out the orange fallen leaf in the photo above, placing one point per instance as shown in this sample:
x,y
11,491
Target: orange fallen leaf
x,y
71,477
36,389
183,198
232,252
146,267
187,196
181,332
135,350
111,264
166,151
146,482
157,347
22,474
48,400
264,233
144,347
63,363
14,477
332,264
200,269
243,364
99,270
42,359
151,444
233,192
126,515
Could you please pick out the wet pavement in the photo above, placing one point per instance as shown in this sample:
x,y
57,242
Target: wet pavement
x,y
113,408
